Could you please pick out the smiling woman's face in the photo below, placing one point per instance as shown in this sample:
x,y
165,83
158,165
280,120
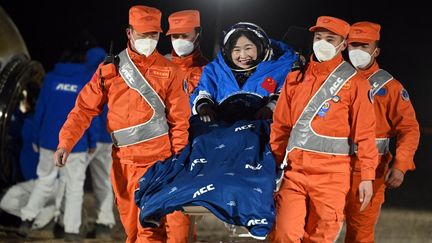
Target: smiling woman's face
x,y
244,52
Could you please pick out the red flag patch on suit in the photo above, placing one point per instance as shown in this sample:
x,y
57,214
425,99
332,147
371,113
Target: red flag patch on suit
x,y
269,84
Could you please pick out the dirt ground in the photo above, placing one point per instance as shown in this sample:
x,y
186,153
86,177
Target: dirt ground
x,y
394,226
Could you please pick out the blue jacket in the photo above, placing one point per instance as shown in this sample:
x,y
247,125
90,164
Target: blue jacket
x,y
29,159
104,137
57,98
218,82
229,170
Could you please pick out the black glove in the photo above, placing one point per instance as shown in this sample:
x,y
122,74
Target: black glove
x,y
206,113
264,113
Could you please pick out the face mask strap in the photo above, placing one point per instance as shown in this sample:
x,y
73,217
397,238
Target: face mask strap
x,y
195,41
338,46
376,48
372,58
132,38
196,38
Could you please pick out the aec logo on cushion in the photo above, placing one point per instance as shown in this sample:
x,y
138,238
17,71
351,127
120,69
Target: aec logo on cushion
x,y
256,222
203,190
196,161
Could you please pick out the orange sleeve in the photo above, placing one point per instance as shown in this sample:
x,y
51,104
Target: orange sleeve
x,y
88,104
405,125
193,78
282,124
178,113
363,127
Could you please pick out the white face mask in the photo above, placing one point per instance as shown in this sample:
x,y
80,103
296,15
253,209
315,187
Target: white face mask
x,y
183,47
145,46
324,50
359,58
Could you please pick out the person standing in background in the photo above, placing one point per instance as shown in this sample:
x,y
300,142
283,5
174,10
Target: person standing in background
x,y
395,118
185,33
57,97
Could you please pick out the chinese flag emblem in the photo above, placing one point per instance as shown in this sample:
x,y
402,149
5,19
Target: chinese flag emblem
x,y
269,84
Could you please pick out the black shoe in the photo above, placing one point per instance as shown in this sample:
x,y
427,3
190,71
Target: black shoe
x,y
103,232
25,228
72,237
58,231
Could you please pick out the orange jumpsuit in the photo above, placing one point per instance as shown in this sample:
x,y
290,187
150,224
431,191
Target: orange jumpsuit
x,y
310,203
192,66
126,108
395,117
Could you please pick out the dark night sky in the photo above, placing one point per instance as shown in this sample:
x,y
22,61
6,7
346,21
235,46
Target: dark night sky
x,y
46,26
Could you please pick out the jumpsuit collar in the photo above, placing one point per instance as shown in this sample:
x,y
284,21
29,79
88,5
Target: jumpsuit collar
x,y
371,70
327,66
188,60
142,61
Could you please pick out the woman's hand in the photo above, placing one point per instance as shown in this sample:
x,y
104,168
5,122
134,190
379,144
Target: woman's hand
x,y
264,113
207,113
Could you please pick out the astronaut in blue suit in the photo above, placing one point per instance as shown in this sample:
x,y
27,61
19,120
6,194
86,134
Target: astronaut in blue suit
x,y
244,80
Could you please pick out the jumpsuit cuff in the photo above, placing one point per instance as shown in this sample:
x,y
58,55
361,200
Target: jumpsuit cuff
x,y
273,97
66,146
368,175
404,167
271,105
203,96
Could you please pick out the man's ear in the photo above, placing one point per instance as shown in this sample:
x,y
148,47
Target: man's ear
x,y
129,33
377,52
344,45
